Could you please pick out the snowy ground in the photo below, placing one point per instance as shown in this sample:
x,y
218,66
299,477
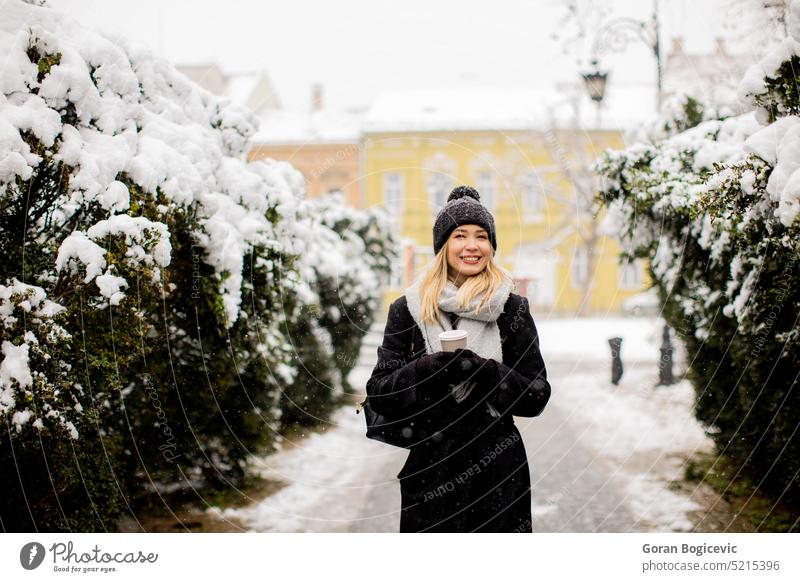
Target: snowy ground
x,y
601,456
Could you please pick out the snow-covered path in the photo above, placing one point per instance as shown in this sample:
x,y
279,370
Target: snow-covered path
x,y
337,481
601,456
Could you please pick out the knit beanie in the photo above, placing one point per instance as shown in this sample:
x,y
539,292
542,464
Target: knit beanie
x,y
463,207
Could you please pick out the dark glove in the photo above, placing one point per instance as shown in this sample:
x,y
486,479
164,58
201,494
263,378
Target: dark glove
x,y
440,366
475,367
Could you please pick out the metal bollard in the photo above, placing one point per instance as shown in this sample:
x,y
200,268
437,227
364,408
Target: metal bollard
x,y
616,360
665,377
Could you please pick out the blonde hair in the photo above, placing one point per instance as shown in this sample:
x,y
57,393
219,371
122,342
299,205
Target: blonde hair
x,y
434,279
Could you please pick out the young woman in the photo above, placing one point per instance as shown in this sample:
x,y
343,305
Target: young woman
x,y
467,470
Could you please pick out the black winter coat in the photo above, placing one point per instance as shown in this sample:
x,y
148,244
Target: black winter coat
x,y
470,471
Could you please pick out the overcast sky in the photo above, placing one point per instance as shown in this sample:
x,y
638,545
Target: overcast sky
x,y
357,48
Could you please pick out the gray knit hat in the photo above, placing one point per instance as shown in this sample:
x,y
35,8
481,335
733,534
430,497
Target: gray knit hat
x,y
463,207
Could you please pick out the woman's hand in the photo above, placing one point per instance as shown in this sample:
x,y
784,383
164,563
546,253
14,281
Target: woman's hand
x,y
444,366
475,367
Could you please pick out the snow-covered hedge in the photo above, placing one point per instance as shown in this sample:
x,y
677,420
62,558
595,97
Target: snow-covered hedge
x,y
714,208
348,252
351,293
148,277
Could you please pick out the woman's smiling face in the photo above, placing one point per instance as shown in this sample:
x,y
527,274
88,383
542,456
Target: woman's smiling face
x,y
468,252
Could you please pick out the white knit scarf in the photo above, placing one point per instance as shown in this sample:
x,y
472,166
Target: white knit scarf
x,y
483,335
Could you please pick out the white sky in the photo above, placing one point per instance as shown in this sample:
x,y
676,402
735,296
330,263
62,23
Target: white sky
x,y
357,48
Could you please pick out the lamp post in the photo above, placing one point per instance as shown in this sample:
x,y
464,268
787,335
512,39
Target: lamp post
x,y
615,35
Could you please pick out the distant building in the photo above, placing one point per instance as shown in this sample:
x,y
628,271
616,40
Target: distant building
x,y
324,145
253,90
522,150
516,148
712,77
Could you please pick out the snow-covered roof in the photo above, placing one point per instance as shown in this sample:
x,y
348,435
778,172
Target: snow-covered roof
x,y
681,66
241,87
712,77
251,89
462,110
323,126
507,109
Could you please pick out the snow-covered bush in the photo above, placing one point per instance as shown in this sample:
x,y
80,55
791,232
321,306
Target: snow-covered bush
x,y
351,293
34,383
347,252
148,273
714,210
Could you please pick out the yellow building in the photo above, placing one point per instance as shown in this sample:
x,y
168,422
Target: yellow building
x,y
532,168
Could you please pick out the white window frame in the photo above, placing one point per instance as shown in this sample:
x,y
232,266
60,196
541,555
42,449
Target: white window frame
x,y
393,186
486,184
438,185
423,255
579,266
439,171
630,275
396,275
534,196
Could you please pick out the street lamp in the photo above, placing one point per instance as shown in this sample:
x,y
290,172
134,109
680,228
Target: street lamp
x,y
615,35
595,83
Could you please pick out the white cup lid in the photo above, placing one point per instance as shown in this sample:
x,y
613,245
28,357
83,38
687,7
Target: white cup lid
x,y
453,334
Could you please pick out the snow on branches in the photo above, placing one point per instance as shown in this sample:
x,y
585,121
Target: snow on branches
x,y
713,205
125,185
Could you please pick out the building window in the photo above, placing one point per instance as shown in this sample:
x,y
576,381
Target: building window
x,y
439,172
423,256
485,183
533,195
396,276
580,267
439,186
630,275
394,194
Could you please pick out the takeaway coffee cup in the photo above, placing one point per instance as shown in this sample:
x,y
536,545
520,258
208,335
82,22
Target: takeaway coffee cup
x,y
453,339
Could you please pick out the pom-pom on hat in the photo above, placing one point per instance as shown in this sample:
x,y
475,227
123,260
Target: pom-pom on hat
x,y
463,207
